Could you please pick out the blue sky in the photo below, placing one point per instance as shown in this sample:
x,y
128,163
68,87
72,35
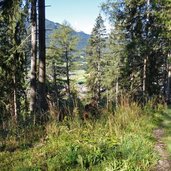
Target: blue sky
x,y
81,14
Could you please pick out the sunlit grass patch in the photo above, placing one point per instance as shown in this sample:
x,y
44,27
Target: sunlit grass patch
x,y
122,141
79,76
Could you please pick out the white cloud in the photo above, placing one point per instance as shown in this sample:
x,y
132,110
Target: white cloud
x,y
82,26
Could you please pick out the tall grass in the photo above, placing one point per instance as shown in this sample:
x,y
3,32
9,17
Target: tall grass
x,y
119,141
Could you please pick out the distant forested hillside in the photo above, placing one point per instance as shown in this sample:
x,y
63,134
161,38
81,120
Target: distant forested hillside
x,y
51,26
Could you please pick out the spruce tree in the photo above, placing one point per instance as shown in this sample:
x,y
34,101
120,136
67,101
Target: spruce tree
x,y
13,19
143,73
61,54
113,64
95,52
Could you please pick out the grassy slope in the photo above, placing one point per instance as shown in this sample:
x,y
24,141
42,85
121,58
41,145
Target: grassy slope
x,y
120,142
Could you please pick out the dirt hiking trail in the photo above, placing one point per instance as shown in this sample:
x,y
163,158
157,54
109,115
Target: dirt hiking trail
x,y
164,163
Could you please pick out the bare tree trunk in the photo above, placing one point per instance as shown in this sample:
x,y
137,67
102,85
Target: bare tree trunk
x,y
42,57
146,58
67,73
107,100
99,77
15,99
99,82
55,87
144,75
54,73
117,92
168,84
33,57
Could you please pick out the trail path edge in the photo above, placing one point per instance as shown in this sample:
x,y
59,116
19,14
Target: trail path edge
x,y
164,163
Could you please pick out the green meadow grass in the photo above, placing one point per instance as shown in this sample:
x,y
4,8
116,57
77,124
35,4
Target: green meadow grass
x,y
122,142
165,123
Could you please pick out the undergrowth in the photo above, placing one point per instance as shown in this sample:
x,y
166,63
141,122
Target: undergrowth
x,y
122,141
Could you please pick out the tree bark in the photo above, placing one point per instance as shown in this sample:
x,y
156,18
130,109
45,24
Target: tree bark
x,y
67,73
144,75
15,99
42,57
54,73
168,84
117,92
33,57
99,75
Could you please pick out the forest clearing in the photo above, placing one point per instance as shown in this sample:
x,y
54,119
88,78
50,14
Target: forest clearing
x,y
98,101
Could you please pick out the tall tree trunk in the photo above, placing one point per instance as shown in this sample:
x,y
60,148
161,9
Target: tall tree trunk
x,y
168,84
15,101
67,73
99,76
33,57
55,87
54,73
117,92
144,75
42,57
146,58
99,82
107,98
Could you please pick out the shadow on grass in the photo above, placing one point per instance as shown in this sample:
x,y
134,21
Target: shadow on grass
x,y
166,119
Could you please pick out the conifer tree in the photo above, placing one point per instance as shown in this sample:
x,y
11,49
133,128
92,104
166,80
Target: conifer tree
x,y
113,64
95,52
61,53
13,18
143,73
165,21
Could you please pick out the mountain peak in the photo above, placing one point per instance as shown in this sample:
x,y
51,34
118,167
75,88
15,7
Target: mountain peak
x,y
51,26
